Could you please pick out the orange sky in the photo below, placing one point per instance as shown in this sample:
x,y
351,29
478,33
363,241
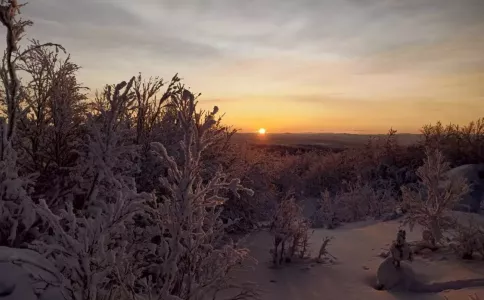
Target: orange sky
x,y
307,66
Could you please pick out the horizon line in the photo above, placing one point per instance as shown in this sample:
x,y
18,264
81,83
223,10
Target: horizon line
x,y
312,132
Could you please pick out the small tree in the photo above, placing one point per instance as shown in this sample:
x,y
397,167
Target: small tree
x,y
468,238
90,241
434,196
48,133
195,256
16,213
327,214
290,227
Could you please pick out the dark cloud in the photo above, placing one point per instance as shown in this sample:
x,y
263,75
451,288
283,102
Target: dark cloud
x,y
357,28
133,39
349,28
71,13
89,28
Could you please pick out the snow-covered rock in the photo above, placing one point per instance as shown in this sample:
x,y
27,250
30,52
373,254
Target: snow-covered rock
x,y
26,275
474,173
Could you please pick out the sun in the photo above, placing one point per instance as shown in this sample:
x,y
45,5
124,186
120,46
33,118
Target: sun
x,y
262,131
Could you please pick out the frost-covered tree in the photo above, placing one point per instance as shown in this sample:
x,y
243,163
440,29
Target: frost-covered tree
x,y
289,228
107,160
428,204
193,256
150,104
49,132
154,121
90,240
16,213
91,250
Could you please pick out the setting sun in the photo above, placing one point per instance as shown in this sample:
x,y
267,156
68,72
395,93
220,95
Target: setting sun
x,y
262,131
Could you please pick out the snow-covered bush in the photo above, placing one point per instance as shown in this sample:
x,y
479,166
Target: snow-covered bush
x,y
323,250
289,228
361,200
153,121
193,255
16,213
49,132
460,144
92,251
90,240
327,212
468,238
355,202
107,157
258,170
428,204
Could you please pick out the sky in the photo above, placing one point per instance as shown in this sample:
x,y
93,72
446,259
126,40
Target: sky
x,y
288,66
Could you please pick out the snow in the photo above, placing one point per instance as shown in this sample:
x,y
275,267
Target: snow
x,y
24,273
357,247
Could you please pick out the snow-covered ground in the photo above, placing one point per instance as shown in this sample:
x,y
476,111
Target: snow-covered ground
x,y
357,247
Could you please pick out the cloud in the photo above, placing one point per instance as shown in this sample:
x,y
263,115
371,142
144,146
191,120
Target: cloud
x,y
107,26
342,28
72,13
325,29
458,54
283,59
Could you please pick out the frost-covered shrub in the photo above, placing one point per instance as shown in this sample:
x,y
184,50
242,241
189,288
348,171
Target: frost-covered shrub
x,y
468,238
435,195
326,172
323,249
289,228
360,200
92,251
327,212
91,240
154,120
16,214
107,161
354,202
460,144
49,130
256,169
383,161
193,255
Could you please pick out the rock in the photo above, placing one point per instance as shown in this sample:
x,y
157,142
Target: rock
x,y
15,283
264,224
390,277
425,251
474,173
23,273
393,215
384,254
390,216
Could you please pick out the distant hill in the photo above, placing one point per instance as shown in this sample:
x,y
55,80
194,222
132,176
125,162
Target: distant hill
x,y
302,142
